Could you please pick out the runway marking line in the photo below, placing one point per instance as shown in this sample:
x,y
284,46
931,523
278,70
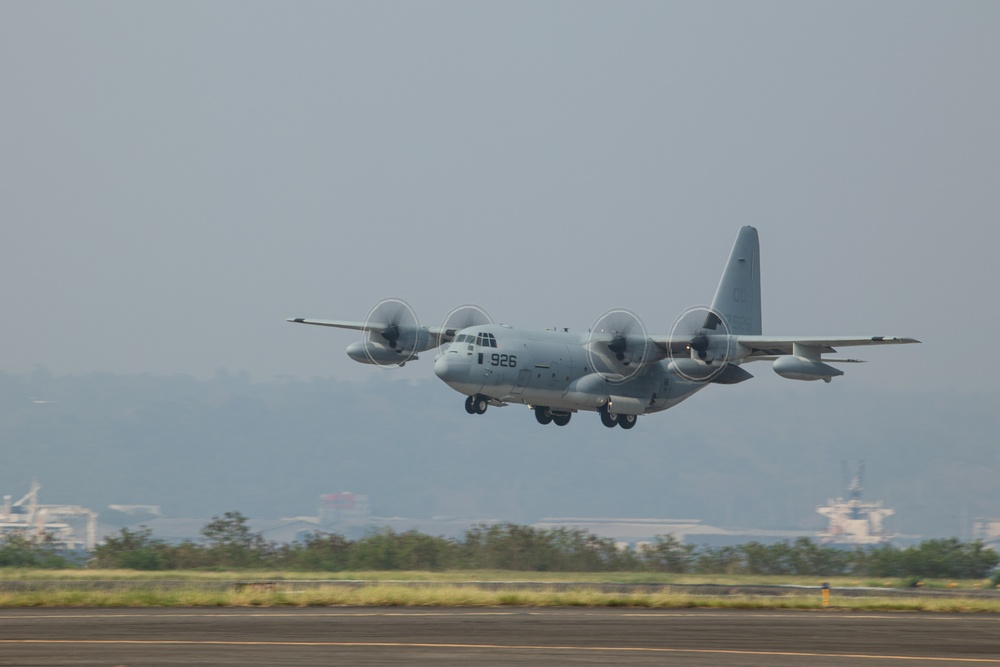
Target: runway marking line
x,y
510,647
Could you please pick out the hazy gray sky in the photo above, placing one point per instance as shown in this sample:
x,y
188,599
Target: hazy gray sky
x,y
179,177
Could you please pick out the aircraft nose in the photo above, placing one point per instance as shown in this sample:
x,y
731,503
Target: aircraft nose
x,y
441,366
448,367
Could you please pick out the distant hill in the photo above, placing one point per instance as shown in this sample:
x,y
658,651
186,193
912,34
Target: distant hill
x,y
762,454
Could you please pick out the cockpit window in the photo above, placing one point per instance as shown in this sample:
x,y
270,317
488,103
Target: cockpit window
x,y
486,340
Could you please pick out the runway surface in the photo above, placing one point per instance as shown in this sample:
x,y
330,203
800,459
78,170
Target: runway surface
x,y
403,636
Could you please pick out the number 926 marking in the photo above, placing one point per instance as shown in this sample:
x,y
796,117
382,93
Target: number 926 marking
x,y
505,360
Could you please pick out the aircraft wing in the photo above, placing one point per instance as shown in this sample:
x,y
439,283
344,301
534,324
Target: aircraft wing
x,y
636,352
775,346
672,346
770,346
443,334
340,324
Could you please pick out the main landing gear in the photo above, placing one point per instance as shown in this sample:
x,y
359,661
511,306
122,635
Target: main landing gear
x,y
546,416
476,405
611,419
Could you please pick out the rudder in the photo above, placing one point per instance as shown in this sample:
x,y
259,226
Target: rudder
x,y
737,298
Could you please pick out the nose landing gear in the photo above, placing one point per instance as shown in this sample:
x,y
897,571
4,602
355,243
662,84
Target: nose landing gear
x,y
476,405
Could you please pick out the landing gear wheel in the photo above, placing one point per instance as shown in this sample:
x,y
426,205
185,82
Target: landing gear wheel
x,y
470,405
608,418
543,415
479,403
626,421
561,420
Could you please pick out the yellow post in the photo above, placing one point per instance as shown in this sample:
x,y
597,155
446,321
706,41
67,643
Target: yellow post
x,y
826,594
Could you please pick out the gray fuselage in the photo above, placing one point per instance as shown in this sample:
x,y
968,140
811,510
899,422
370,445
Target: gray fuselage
x,y
552,369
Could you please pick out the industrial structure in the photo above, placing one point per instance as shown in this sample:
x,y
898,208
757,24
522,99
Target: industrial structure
x,y
853,521
59,523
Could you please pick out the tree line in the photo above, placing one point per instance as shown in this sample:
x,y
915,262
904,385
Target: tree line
x,y
229,544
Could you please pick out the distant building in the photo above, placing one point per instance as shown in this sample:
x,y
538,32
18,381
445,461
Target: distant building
x,y
349,514
987,531
343,508
636,532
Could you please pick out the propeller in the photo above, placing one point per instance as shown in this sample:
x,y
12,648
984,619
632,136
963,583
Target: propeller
x,y
617,344
700,345
701,326
462,317
391,323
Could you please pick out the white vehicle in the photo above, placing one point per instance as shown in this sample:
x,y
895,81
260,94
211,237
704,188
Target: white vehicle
x,y
616,369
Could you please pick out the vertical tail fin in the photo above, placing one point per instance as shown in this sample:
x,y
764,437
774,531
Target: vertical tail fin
x,y
737,298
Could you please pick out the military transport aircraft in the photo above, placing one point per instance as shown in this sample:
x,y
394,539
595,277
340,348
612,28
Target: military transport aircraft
x,y
616,369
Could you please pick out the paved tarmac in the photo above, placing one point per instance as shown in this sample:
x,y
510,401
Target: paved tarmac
x,y
481,637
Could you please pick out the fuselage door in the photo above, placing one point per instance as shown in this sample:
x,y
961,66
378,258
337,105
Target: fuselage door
x,y
523,376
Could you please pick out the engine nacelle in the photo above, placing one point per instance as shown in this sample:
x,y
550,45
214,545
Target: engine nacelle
x,y
594,391
692,369
710,349
800,368
588,392
368,352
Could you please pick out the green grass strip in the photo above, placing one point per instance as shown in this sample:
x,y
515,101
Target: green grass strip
x,y
447,595
455,576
